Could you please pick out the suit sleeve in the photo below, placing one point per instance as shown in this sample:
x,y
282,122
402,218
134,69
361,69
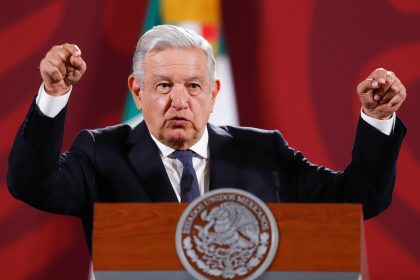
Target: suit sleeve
x,y
42,177
369,178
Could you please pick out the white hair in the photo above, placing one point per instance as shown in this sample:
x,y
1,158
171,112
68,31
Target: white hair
x,y
163,37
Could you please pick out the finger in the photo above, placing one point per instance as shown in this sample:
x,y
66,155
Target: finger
x,y
74,74
78,66
379,75
60,51
62,55
77,62
370,104
390,77
59,57
69,72
74,77
399,98
384,94
378,94
81,70
58,62
72,49
52,72
393,106
391,91
390,80
366,85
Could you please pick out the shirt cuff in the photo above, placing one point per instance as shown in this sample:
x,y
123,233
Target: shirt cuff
x,y
384,126
50,105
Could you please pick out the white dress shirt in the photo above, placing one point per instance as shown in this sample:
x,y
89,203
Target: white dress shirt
x,y
52,105
174,166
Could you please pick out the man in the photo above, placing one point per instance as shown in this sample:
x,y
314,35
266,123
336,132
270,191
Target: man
x,y
174,154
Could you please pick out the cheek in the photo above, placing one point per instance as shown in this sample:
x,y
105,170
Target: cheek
x,y
162,102
156,105
201,109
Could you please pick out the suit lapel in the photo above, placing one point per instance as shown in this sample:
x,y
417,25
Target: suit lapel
x,y
144,157
223,159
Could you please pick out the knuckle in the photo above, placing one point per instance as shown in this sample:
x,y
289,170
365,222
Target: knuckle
x,y
395,88
49,54
404,93
55,48
71,47
54,71
381,72
43,62
56,75
55,51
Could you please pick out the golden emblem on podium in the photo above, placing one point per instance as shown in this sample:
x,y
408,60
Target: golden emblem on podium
x,y
226,234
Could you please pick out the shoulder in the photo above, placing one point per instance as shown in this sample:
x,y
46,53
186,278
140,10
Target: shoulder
x,y
116,133
247,134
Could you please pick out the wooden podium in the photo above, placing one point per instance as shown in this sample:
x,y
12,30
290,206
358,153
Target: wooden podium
x,y
317,241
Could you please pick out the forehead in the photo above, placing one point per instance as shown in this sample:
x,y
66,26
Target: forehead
x,y
176,61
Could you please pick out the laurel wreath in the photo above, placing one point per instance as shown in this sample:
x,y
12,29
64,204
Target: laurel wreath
x,y
215,263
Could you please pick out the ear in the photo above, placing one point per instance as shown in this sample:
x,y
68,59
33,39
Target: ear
x,y
215,89
134,86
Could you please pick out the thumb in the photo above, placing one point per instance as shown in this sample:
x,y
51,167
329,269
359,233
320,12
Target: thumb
x,y
367,85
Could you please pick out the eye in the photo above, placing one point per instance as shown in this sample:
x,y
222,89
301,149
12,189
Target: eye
x,y
194,88
194,85
163,87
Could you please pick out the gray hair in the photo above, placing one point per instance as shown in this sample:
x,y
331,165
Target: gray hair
x,y
163,37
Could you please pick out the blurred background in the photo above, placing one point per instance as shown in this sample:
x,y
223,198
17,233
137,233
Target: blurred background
x,y
287,65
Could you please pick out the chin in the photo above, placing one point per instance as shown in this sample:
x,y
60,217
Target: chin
x,y
179,136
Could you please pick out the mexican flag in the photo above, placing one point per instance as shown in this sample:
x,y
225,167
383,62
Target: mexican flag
x,y
204,17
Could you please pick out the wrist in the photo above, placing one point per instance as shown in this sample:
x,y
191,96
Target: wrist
x,y
377,114
56,90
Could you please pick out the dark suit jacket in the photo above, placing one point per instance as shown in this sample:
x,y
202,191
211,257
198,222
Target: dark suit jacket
x,y
120,164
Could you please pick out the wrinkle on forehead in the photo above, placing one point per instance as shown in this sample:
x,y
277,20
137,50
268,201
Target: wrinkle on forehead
x,y
173,62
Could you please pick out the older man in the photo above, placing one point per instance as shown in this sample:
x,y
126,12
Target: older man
x,y
175,154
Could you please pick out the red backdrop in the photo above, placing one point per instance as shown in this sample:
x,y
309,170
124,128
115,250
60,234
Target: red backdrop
x,y
296,65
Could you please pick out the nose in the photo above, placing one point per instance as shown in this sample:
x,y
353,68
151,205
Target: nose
x,y
179,97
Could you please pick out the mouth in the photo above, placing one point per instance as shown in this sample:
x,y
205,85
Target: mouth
x,y
178,121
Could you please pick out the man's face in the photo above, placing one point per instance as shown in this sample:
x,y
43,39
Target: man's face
x,y
176,97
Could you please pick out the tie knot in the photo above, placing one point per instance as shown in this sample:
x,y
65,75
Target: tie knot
x,y
185,157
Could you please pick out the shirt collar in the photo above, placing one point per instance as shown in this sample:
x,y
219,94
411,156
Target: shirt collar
x,y
200,148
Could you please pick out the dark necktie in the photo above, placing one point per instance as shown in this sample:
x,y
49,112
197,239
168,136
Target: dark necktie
x,y
189,182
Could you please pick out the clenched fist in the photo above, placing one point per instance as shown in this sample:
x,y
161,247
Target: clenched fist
x,y
61,68
381,94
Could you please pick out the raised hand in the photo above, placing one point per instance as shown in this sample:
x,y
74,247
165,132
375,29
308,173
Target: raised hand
x,y
61,68
381,94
